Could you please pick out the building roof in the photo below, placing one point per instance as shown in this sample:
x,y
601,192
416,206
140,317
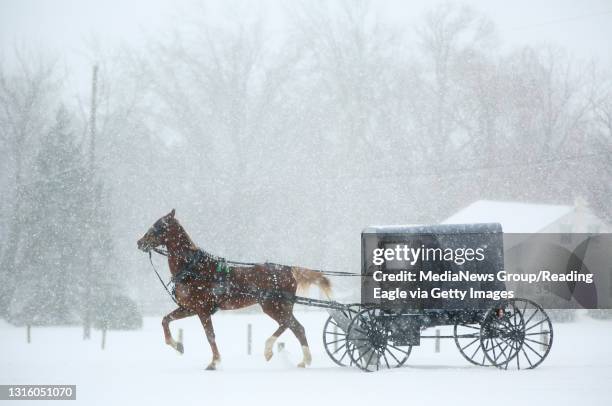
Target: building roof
x,y
514,217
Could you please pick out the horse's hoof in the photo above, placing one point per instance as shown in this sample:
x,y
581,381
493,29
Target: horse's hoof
x,y
301,365
180,348
268,355
211,367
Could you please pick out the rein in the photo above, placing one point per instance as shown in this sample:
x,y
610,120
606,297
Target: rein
x,y
212,257
337,273
219,259
159,276
224,261
254,293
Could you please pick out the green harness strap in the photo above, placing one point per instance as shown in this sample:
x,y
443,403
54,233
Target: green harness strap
x,y
222,267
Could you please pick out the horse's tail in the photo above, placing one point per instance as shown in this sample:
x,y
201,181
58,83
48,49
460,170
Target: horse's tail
x,y
306,277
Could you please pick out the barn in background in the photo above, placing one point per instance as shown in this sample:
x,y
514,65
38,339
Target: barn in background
x,y
518,217
568,224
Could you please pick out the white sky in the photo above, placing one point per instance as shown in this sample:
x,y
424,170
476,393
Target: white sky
x,y
63,26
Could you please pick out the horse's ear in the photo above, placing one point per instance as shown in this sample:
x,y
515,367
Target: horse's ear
x,y
172,213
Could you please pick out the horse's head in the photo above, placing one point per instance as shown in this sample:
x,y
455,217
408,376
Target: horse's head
x,y
158,234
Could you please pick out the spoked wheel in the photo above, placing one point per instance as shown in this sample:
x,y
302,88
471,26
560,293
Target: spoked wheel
x,y
467,339
373,347
517,334
334,336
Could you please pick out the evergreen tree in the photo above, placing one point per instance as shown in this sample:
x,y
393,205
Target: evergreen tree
x,y
63,231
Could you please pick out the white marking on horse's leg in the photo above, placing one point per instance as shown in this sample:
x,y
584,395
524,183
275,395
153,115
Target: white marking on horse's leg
x,y
177,345
213,364
307,360
268,349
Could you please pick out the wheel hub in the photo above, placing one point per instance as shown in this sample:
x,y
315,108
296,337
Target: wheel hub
x,y
378,339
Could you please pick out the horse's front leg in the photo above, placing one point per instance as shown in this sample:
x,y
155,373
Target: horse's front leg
x,y
176,314
210,335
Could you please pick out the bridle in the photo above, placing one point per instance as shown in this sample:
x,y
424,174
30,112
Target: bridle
x,y
160,251
156,231
188,269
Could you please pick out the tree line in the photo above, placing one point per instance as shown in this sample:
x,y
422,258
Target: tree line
x,y
282,141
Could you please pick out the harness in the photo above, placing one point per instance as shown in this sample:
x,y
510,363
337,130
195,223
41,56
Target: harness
x,y
262,295
221,277
189,270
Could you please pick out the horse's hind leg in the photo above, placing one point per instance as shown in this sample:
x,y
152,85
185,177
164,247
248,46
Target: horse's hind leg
x,y
283,314
300,333
176,314
279,313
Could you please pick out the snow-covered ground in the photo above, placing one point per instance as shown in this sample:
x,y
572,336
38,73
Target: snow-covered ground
x,y
138,368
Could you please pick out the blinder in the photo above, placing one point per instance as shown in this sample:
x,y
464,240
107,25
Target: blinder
x,y
158,228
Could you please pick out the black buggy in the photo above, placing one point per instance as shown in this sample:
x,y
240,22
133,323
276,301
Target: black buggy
x,y
506,333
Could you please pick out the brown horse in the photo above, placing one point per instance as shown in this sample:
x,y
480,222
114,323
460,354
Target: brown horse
x,y
205,283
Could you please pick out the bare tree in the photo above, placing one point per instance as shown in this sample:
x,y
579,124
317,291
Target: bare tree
x,y
599,141
453,42
352,62
26,97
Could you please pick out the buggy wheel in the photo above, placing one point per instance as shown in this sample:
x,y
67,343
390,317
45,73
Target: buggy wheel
x,y
372,346
467,339
516,334
334,335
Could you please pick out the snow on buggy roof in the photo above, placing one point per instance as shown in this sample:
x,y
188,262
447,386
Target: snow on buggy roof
x,y
479,228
